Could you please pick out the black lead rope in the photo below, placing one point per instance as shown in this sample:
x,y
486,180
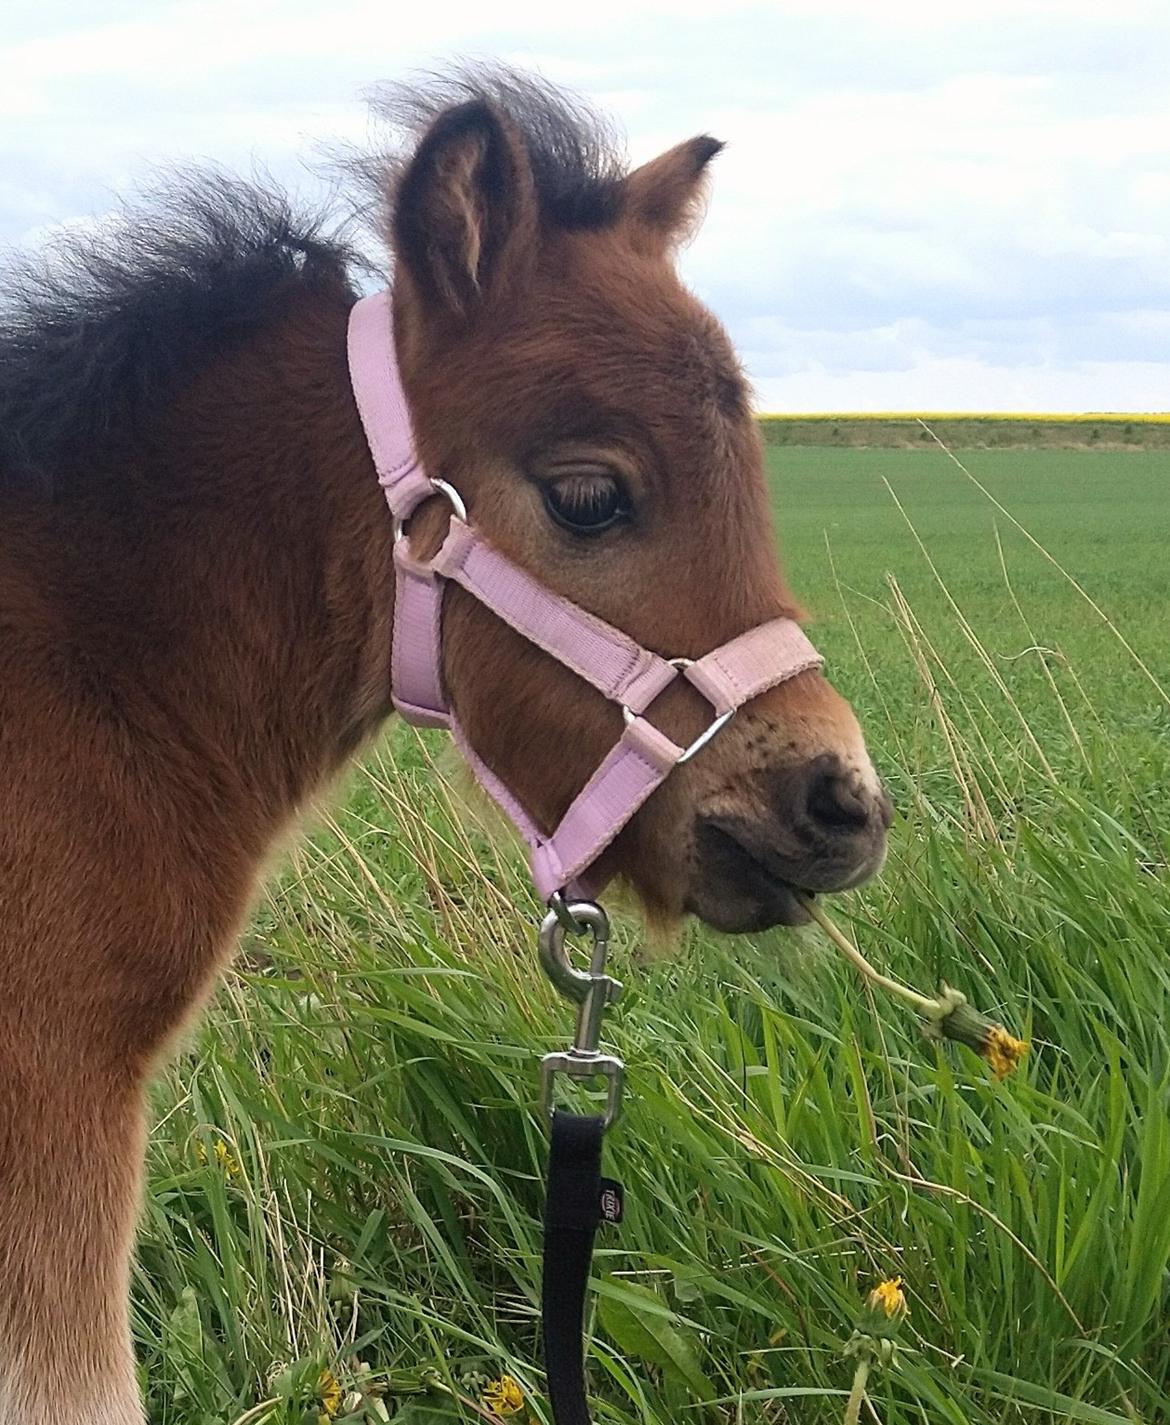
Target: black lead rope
x,y
578,1197
571,1215
578,1200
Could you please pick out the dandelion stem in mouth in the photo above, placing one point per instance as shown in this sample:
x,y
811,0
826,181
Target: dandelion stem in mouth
x,y
924,1005
946,1015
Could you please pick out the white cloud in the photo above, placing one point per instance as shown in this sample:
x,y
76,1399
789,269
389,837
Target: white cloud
x,y
957,384
957,205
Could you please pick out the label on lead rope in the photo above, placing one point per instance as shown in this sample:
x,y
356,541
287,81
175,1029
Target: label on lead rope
x,y
613,1201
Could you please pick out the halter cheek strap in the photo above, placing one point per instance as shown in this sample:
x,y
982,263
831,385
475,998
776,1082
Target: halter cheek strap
x,y
620,669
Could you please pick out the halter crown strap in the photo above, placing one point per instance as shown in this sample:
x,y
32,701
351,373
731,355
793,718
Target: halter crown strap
x,y
622,670
381,401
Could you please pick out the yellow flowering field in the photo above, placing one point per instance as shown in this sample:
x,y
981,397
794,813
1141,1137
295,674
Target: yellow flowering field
x,y
1137,430
1121,417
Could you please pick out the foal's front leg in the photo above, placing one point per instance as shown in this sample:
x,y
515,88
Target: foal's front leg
x,y
71,1146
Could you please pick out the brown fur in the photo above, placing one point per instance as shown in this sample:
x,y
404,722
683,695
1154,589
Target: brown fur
x,y
196,639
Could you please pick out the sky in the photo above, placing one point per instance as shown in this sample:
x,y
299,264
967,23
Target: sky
x,y
961,205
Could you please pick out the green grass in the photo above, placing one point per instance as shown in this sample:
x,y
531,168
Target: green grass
x,y
370,1067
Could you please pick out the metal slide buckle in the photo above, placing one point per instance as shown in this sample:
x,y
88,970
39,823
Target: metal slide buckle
x,y
592,990
706,735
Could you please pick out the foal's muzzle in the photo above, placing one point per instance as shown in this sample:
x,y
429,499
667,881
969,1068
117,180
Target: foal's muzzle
x,y
823,828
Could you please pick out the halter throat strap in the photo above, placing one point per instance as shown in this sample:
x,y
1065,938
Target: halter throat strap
x,y
619,668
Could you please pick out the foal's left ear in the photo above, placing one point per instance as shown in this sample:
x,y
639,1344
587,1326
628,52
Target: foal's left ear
x,y
465,214
665,197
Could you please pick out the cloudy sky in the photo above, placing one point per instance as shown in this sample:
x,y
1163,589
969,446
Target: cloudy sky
x,y
961,205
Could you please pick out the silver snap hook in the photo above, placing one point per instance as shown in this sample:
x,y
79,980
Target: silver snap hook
x,y
592,990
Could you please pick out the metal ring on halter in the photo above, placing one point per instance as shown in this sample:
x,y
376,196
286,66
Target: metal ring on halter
x,y
706,735
560,908
453,497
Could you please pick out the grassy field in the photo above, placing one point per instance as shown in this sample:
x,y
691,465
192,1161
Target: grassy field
x,y
342,1216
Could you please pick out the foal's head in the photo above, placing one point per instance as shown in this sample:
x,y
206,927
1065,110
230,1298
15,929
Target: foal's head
x,y
594,417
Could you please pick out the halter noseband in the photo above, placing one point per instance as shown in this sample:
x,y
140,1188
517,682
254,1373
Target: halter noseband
x,y
619,668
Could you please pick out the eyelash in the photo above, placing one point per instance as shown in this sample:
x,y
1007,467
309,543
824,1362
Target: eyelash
x,y
600,503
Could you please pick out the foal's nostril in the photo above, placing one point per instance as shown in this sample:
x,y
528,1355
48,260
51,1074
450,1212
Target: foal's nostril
x,y
837,802
825,800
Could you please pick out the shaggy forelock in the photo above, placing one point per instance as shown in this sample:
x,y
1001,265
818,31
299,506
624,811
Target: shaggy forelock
x,y
577,156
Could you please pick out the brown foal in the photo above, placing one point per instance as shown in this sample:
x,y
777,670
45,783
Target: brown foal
x,y
196,597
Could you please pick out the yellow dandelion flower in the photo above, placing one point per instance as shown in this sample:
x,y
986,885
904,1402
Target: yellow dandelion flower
x,y
503,1396
226,1161
1003,1051
989,1040
888,1297
881,1316
223,1156
329,1391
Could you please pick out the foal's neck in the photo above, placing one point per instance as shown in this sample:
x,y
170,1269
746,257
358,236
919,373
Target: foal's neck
x,y
245,583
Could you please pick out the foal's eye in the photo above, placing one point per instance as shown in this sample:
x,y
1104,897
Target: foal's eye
x,y
587,503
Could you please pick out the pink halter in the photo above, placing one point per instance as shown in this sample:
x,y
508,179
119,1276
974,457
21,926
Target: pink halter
x,y
614,664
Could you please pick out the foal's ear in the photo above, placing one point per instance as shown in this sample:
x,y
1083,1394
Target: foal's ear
x,y
465,213
665,197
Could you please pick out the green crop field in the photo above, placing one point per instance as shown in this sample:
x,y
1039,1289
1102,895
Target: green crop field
x,y
342,1217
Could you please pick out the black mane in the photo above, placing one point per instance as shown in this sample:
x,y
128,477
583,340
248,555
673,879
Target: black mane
x,y
101,329
106,324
